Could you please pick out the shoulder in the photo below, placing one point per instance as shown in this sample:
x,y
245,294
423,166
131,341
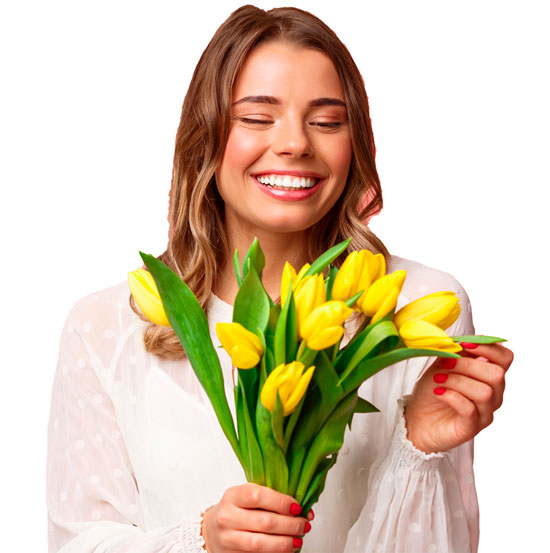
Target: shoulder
x,y
103,315
422,280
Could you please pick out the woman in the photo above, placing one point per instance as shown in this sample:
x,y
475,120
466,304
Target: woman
x,y
274,142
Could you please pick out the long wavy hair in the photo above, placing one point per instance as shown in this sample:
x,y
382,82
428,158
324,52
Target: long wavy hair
x,y
197,237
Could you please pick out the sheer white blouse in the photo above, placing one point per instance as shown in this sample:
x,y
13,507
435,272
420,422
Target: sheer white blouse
x,y
135,452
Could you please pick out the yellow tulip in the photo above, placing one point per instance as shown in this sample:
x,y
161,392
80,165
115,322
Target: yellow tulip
x,y
145,292
382,296
423,335
244,347
290,382
324,325
310,293
441,309
359,270
289,275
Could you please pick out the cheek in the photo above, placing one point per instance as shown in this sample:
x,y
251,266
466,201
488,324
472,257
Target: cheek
x,y
240,151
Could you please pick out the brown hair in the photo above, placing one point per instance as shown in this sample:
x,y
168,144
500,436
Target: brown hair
x,y
197,240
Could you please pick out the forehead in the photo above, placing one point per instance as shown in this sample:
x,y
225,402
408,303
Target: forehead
x,y
281,68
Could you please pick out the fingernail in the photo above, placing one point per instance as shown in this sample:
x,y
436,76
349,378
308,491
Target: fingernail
x,y
307,527
468,345
440,378
311,515
297,543
439,391
295,509
448,362
481,358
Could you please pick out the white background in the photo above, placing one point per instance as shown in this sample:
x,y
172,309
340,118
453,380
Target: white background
x,y
459,93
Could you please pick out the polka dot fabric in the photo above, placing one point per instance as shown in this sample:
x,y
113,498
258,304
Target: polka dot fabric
x,y
135,450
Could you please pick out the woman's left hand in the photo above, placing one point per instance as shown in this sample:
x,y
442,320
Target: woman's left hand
x,y
456,398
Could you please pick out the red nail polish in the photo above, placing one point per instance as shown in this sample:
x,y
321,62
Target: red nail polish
x,y
295,509
307,527
439,391
297,543
440,378
468,345
311,515
448,362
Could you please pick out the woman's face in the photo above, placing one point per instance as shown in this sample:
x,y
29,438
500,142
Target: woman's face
x,y
288,152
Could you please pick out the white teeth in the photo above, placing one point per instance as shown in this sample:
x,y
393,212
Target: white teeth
x,y
287,181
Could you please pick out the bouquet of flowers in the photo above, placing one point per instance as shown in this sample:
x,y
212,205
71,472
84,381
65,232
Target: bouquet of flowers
x,y
297,388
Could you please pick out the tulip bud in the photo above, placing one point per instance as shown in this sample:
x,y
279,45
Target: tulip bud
x,y
310,293
145,292
244,347
423,335
324,325
290,382
289,275
359,270
441,309
382,296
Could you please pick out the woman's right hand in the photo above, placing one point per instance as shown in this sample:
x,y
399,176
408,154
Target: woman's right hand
x,y
253,518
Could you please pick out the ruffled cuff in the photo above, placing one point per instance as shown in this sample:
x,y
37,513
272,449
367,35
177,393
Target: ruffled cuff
x,y
409,455
190,537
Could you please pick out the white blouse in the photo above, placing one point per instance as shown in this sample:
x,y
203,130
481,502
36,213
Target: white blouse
x,y
135,452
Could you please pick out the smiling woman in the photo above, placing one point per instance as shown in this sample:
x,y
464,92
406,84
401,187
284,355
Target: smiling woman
x,y
274,142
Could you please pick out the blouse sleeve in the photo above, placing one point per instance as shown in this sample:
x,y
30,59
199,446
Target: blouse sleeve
x,y
421,503
93,501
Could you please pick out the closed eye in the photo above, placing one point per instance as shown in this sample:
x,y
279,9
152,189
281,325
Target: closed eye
x,y
250,121
325,125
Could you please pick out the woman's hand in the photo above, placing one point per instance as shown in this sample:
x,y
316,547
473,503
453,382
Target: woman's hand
x,y
254,518
456,398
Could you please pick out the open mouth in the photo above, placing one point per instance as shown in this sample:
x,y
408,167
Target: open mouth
x,y
287,182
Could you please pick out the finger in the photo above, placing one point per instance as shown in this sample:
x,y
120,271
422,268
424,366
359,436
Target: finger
x,y
482,371
494,353
253,542
268,522
465,408
480,394
253,496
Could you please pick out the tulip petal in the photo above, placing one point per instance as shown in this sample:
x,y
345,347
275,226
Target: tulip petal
x,y
145,292
423,335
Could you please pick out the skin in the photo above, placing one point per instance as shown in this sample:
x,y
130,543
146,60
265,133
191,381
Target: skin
x,y
473,392
293,135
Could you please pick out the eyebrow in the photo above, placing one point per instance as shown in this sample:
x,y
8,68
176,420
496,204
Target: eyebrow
x,y
271,100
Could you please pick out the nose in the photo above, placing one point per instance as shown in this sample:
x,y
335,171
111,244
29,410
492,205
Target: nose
x,y
292,139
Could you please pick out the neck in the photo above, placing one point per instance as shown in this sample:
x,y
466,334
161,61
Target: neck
x,y
277,247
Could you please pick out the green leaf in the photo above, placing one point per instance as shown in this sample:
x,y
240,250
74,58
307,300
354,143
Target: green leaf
x,y
251,449
369,367
363,406
326,379
296,460
237,267
248,381
191,327
380,331
329,282
478,339
328,440
322,262
277,421
318,483
353,299
276,470
254,258
251,307
280,331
